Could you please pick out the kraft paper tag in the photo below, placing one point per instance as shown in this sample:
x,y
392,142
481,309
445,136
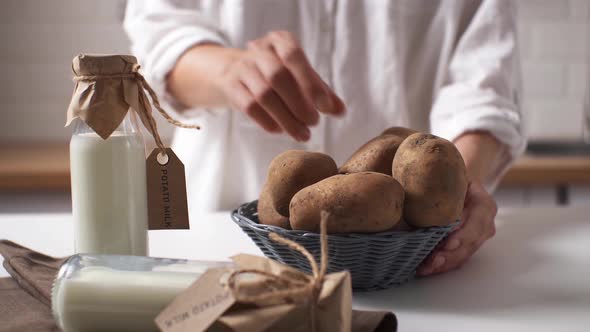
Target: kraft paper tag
x,y
198,307
166,187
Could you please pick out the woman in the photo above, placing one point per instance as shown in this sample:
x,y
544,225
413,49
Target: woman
x,y
265,76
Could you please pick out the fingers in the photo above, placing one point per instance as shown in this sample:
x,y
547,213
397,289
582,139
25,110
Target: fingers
x,y
244,101
274,84
445,261
478,226
292,56
456,249
278,77
270,101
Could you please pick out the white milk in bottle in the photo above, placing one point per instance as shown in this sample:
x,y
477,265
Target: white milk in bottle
x,y
109,197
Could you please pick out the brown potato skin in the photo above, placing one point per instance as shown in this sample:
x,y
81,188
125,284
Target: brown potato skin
x,y
434,178
267,214
374,156
293,170
364,202
399,131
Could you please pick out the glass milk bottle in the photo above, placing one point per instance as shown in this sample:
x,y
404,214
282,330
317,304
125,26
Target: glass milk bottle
x,y
109,196
120,293
107,157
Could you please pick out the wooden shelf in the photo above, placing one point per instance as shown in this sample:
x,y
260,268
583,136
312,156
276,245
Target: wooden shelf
x,y
548,170
35,167
46,167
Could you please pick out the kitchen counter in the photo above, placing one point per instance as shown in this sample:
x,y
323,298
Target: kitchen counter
x,y
532,276
46,167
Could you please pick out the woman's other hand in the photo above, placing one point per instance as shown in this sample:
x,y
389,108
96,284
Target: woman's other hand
x,y
477,226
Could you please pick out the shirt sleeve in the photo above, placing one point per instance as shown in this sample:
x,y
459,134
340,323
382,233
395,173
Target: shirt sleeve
x,y
160,31
482,84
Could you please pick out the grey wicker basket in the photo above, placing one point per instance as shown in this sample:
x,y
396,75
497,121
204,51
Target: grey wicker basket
x,y
375,261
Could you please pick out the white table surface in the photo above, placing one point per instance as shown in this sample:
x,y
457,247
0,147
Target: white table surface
x,y
533,276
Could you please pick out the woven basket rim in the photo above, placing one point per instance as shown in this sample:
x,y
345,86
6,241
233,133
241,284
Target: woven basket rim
x,y
239,217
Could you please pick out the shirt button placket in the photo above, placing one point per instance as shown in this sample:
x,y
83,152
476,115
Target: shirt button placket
x,y
324,65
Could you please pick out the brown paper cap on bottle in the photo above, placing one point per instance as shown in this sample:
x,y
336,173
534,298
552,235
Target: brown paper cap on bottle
x,y
103,94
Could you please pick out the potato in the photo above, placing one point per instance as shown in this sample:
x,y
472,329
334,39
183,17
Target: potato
x,y
293,170
374,156
377,154
434,178
267,214
399,131
362,202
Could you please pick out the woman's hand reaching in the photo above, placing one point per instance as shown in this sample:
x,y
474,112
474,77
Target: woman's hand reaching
x,y
274,84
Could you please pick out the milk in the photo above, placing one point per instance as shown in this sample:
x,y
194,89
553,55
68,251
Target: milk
x,y
100,298
109,197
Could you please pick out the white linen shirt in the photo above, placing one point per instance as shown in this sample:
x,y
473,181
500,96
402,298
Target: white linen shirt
x,y
440,66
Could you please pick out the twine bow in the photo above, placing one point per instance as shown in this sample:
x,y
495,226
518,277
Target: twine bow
x,y
144,113
289,287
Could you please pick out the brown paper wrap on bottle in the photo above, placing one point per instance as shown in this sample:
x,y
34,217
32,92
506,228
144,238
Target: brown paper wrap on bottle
x,y
265,296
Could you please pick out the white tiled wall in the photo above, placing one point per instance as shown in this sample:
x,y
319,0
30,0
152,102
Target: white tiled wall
x,y
39,40
555,56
